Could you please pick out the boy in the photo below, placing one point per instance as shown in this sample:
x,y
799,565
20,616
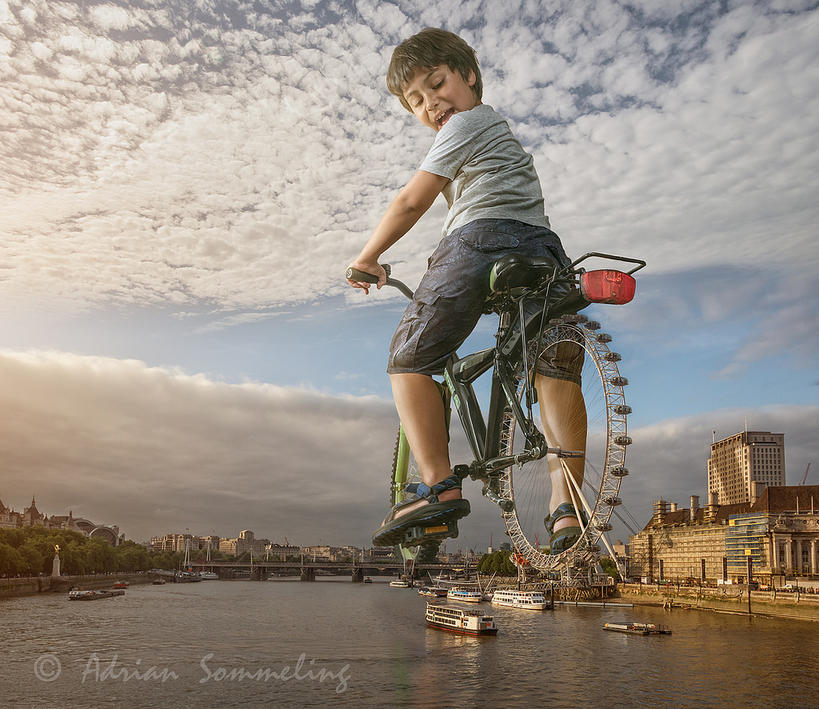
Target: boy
x,y
495,208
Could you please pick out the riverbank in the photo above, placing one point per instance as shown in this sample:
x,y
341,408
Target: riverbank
x,y
33,585
772,604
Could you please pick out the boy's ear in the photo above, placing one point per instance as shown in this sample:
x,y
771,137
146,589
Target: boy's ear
x,y
472,78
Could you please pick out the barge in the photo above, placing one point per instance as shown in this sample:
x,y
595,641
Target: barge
x,y
638,628
93,595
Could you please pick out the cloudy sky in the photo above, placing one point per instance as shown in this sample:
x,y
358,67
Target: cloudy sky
x,y
184,182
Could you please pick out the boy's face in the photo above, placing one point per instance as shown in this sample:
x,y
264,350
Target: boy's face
x,y
436,93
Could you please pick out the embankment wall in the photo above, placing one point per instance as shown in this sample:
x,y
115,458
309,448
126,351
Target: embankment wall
x,y
31,586
775,604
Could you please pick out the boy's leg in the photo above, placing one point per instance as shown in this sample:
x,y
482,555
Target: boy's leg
x,y
421,410
563,414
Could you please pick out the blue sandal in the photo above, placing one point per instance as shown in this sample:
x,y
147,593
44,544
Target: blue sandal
x,y
565,537
436,518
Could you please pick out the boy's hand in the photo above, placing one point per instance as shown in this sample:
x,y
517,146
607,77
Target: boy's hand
x,y
374,269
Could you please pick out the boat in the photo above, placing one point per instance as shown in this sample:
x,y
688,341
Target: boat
x,y
458,620
432,591
526,600
368,580
206,575
94,595
465,595
158,582
120,584
638,628
399,583
186,577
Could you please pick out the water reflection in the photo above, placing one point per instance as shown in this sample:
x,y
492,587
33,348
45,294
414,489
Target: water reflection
x,y
561,657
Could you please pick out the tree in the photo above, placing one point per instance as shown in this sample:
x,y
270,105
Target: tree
x,y
11,561
610,568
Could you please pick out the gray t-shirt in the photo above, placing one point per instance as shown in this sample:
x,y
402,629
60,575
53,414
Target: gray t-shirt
x,y
492,176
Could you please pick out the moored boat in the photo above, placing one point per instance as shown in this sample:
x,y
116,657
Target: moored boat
x,y
458,620
432,591
638,628
526,600
186,577
399,583
93,595
120,584
464,595
208,575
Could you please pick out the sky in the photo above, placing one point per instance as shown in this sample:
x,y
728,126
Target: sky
x,y
184,183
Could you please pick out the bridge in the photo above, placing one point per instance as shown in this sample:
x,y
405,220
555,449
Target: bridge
x,y
306,570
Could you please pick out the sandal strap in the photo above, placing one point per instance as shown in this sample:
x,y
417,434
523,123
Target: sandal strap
x,y
430,492
567,509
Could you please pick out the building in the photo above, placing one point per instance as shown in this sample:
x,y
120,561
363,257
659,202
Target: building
x,y
745,458
175,542
778,529
281,552
31,517
245,543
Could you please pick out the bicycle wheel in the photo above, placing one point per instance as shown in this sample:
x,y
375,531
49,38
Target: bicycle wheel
x,y
529,486
405,470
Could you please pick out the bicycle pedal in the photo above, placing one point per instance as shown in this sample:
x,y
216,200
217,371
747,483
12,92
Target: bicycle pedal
x,y
461,471
419,535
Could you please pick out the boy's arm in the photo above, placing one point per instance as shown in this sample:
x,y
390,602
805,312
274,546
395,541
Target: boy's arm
x,y
409,205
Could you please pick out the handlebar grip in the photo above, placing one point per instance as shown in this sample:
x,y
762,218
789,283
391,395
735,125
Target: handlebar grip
x,y
353,274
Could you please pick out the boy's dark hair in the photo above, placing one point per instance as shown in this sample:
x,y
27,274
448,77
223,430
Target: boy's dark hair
x,y
431,47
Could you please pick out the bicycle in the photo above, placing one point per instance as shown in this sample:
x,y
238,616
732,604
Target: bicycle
x,y
508,445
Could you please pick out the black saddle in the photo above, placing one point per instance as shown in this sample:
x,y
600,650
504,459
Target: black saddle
x,y
514,271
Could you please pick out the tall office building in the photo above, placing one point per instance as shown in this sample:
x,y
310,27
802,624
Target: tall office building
x,y
739,461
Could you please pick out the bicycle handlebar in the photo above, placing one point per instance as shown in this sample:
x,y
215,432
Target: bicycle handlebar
x,y
353,274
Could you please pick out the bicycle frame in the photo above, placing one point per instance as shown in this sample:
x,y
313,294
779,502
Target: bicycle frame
x,y
511,336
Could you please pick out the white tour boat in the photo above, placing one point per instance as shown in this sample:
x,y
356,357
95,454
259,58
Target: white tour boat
x,y
465,595
528,600
457,620
399,583
205,575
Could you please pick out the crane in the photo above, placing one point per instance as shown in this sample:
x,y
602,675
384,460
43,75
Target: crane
x,y
805,476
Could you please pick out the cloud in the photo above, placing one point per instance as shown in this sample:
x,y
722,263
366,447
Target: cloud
x,y
238,159
155,450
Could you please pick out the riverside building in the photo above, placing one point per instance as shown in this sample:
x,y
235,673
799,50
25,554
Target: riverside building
x,y
739,461
778,529
32,517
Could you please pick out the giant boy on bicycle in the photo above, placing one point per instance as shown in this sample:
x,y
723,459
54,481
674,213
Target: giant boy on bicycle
x,y
495,208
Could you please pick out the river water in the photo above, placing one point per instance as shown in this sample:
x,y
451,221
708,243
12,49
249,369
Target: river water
x,y
331,642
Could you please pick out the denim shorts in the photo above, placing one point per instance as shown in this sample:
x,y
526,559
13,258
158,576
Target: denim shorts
x,y
450,297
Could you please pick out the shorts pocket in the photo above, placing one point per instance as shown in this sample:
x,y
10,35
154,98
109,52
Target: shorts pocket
x,y
488,241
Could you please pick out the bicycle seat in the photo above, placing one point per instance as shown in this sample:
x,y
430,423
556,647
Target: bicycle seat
x,y
516,271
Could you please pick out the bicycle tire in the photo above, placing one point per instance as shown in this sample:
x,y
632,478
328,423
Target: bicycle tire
x,y
529,485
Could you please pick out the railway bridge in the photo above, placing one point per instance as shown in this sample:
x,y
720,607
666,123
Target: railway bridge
x,y
308,570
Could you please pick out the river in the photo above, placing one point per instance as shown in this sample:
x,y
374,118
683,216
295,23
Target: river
x,y
288,643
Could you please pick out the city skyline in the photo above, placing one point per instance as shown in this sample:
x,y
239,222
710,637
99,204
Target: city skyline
x,y
183,191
